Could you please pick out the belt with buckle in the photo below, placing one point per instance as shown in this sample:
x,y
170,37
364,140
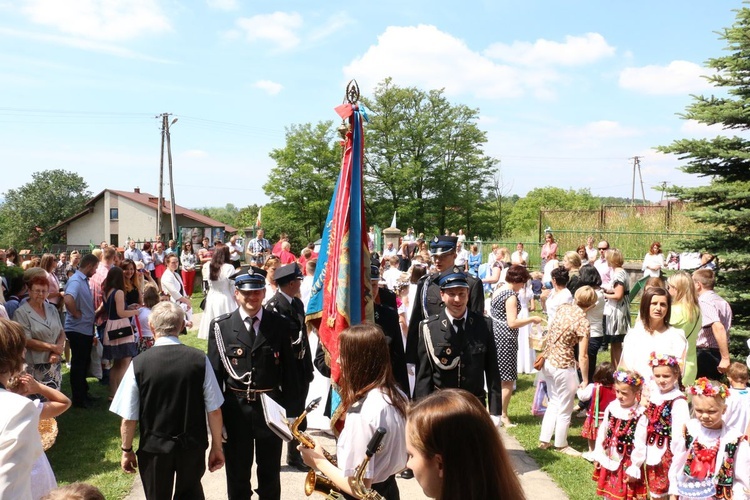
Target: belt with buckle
x,y
248,394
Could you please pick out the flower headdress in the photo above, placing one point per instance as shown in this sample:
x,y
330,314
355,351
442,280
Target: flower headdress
x,y
704,387
663,360
633,379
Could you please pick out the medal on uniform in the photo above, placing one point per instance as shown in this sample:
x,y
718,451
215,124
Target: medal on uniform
x,y
448,351
444,361
240,352
234,361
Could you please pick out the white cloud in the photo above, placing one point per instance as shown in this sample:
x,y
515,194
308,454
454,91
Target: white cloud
x,y
697,129
99,19
271,88
332,25
279,28
575,51
194,153
678,77
223,4
427,57
81,43
595,134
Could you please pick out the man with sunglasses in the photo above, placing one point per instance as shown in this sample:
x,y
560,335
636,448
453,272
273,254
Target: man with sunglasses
x,y
601,264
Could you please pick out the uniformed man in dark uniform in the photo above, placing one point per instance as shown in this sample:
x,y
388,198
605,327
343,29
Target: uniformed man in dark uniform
x,y
456,347
387,318
427,300
287,303
251,353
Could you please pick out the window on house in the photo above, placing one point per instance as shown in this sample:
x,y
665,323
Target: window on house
x,y
114,239
114,214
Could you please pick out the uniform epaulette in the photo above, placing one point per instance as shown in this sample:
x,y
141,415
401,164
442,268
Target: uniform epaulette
x,y
434,317
222,317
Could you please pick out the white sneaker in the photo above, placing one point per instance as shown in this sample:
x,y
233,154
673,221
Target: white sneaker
x,y
589,456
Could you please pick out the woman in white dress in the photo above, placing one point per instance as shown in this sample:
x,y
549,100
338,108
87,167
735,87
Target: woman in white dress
x,y
220,298
653,262
526,355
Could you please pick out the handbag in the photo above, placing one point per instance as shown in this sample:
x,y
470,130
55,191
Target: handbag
x,y
116,329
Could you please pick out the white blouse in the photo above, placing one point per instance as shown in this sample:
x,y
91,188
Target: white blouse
x,y
361,422
639,344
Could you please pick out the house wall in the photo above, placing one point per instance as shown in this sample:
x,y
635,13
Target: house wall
x,y
135,221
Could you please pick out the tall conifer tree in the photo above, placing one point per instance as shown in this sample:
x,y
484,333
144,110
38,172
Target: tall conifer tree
x,y
724,204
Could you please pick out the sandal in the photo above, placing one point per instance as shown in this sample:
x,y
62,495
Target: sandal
x,y
544,446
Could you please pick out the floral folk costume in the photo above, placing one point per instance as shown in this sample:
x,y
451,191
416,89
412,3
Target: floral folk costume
x,y
614,447
666,415
710,463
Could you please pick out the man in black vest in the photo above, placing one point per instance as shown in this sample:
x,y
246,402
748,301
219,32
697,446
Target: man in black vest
x,y
168,390
456,347
428,301
287,303
251,353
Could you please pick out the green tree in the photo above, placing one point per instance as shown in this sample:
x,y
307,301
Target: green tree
x,y
30,211
724,204
424,159
524,219
227,214
301,184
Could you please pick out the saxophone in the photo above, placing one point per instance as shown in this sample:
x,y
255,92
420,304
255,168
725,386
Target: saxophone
x,y
314,482
360,490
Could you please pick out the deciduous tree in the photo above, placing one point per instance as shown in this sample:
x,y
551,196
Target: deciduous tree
x,y
29,212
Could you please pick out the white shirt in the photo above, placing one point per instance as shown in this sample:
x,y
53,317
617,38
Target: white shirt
x,y
235,252
737,416
127,401
360,426
555,300
20,444
652,261
389,252
519,257
595,315
639,344
461,257
391,277
547,271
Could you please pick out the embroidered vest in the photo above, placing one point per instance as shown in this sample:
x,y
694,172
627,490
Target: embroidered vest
x,y
718,486
660,423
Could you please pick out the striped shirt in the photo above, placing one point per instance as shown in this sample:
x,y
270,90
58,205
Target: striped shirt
x,y
713,309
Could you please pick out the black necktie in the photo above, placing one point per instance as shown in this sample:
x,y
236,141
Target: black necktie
x,y
459,324
251,322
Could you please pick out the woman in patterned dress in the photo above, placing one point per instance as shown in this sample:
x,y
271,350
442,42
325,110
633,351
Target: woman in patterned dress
x,y
505,308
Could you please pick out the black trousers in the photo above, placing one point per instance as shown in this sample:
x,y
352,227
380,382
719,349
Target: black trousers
x,y
708,360
80,357
249,437
159,470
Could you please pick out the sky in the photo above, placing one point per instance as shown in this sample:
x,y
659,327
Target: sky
x,y
568,92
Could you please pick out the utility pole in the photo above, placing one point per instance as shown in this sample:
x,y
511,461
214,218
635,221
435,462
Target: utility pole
x,y
165,138
637,166
160,201
172,206
663,190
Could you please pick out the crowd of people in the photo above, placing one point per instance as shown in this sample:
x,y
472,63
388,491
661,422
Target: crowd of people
x,y
437,370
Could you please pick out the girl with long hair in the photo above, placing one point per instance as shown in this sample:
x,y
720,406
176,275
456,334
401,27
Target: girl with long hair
x,y
371,399
686,316
455,450
188,263
119,350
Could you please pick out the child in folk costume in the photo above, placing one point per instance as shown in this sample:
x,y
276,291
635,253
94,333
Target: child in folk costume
x,y
615,440
599,394
665,416
710,461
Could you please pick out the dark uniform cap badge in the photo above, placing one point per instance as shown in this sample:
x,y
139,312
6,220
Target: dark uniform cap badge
x,y
435,239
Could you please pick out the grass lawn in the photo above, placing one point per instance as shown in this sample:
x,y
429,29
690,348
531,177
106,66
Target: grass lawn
x,y
88,443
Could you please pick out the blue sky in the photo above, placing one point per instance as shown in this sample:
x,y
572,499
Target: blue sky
x,y
567,91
